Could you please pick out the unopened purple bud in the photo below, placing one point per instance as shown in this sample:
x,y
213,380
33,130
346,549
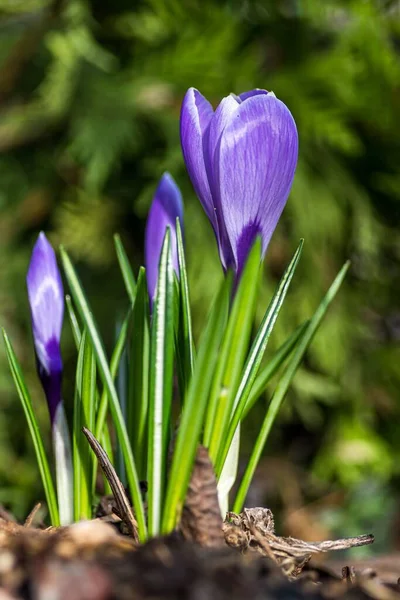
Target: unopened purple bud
x,y
166,207
46,300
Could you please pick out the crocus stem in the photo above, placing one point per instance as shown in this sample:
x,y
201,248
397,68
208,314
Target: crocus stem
x,y
63,460
229,473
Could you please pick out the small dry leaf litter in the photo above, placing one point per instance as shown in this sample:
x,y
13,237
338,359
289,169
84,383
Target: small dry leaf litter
x,y
241,558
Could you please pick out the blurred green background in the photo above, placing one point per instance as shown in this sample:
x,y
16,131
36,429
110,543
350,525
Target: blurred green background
x,y
90,94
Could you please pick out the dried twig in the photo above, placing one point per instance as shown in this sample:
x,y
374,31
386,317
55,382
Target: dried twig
x,y
124,509
254,528
283,546
29,519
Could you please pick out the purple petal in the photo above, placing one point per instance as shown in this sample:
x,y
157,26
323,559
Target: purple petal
x,y
244,245
165,208
254,169
252,93
223,115
52,383
196,114
46,300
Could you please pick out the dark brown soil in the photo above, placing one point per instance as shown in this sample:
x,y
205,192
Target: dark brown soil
x,y
92,561
239,559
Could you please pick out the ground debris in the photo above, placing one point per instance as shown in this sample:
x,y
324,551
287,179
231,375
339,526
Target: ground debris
x,y
122,507
253,529
92,561
201,520
32,515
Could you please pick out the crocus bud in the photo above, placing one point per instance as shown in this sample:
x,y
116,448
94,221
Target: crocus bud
x,y
46,299
165,208
241,160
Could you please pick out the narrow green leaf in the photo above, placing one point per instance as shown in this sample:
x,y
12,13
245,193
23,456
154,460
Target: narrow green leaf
x,y
255,357
114,364
34,431
194,408
80,492
108,448
161,383
88,396
101,428
233,353
272,367
185,345
126,270
106,442
179,350
138,377
73,319
105,437
122,391
107,379
283,386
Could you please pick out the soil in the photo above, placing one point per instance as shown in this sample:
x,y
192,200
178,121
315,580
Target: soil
x,y
240,558
91,560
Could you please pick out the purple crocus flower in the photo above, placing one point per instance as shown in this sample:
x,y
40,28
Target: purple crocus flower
x,y
165,208
241,159
46,299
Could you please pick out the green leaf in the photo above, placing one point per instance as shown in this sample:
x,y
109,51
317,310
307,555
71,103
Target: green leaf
x,y
76,432
102,405
194,408
34,431
107,379
232,355
272,367
80,484
73,319
105,436
101,423
283,386
88,397
185,344
138,382
126,270
101,427
106,442
114,364
179,351
255,357
161,384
